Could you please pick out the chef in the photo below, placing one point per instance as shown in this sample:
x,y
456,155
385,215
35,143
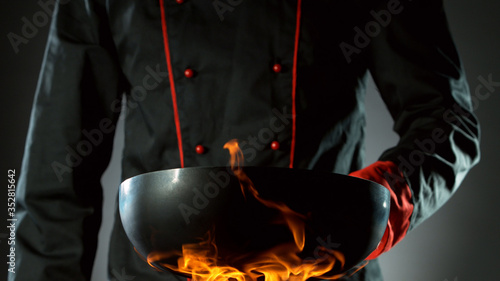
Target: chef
x,y
285,77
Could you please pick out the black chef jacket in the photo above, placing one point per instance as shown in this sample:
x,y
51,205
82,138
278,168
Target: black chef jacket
x,y
285,77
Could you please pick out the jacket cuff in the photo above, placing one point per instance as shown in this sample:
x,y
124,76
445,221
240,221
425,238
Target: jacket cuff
x,y
386,173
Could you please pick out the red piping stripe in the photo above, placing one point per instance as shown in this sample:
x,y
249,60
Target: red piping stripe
x,y
172,86
294,84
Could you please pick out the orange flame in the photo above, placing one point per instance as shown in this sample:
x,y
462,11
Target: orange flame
x,y
294,220
282,262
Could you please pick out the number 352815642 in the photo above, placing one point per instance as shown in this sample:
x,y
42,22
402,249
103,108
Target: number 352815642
x,y
11,192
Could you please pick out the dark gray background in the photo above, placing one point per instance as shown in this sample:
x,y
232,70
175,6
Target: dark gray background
x,y
460,242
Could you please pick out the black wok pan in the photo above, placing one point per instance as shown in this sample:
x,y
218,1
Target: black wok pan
x,y
163,210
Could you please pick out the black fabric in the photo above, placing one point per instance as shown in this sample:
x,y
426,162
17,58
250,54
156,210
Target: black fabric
x,y
99,50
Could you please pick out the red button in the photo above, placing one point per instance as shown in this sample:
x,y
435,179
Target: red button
x,y
188,73
275,145
200,149
277,68
179,1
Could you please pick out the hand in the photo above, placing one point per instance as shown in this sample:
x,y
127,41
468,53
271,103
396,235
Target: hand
x,y
386,173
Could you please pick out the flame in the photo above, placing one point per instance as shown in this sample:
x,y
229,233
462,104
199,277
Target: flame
x,y
282,262
294,220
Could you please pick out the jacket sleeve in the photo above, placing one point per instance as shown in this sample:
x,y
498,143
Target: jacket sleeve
x,y
416,68
68,147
